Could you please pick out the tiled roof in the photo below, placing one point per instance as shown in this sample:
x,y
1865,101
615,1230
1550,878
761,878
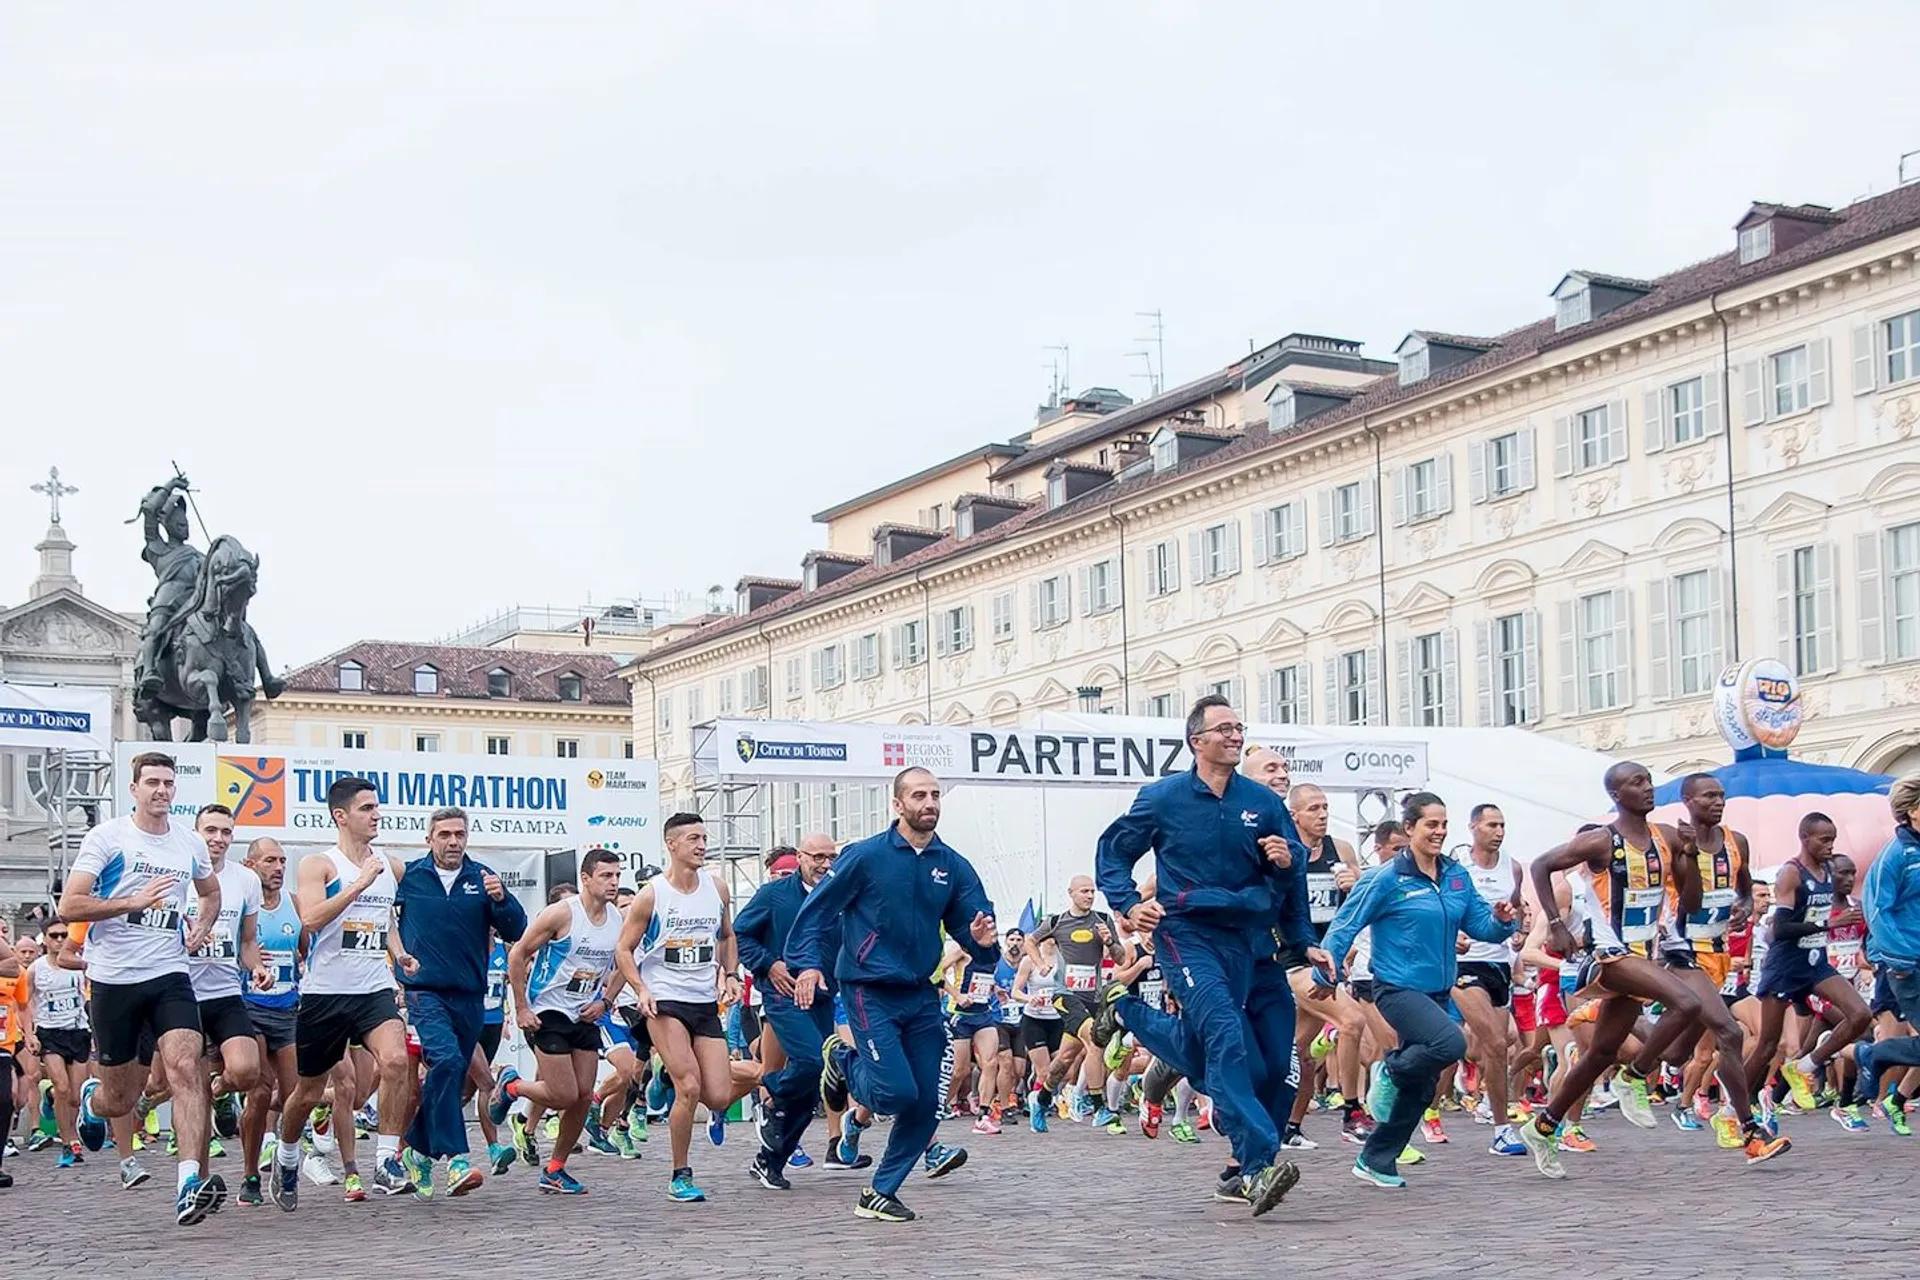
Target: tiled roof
x,y
1618,282
1860,223
387,668
1804,212
1111,424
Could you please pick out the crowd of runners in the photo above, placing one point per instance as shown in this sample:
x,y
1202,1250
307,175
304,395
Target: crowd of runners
x,y
1267,981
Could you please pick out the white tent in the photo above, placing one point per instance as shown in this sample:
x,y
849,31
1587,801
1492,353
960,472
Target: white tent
x,y
1028,841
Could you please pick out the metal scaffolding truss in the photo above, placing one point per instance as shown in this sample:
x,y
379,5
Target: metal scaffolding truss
x,y
75,789
735,815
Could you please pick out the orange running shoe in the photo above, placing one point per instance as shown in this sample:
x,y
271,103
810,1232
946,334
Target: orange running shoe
x,y
1761,1148
1572,1139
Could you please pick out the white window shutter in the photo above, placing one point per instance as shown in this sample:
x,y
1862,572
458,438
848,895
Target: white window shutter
x,y
1233,545
1066,601
1196,557
1036,621
1172,554
1659,672
1617,432
1530,632
1826,638
1403,673
1402,476
1783,607
1443,470
1525,466
1237,694
1085,575
1367,515
1753,399
1712,412
1569,661
1143,569
1563,446
1653,412
1326,517
1266,697
1297,527
1872,591
1302,695
1483,659
1819,384
815,658
1450,677
1376,691
1263,536
1477,471
1333,690
1864,363
940,648
1623,646
1716,621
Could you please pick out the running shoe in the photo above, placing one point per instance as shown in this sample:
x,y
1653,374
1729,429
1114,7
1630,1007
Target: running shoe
x,y
637,1122
1430,1127
717,1128
1102,1117
1573,1138
353,1189
1203,1117
419,1171
1800,1082
551,1127
250,1192
1545,1151
70,1156
1388,1181
835,1054
1116,1127
1506,1142
1761,1147
1685,1121
93,1130
1037,1119
1602,1098
213,1193
596,1132
1151,1114
1850,1119
1382,1094
684,1189
1703,1106
1118,1050
47,1118
501,1102
390,1178
834,1160
462,1177
881,1208
1483,1111
1232,1189
1336,1100
499,1157
132,1174
1897,1119
801,1160
558,1182
1298,1141
1269,1186
318,1171
942,1160
761,1170
1636,1108
1726,1130
39,1142
226,1116
269,1151
1182,1132
283,1188
986,1125
622,1144
190,1206
523,1142
1323,1041
1106,1016
1412,1155
1356,1128
602,1145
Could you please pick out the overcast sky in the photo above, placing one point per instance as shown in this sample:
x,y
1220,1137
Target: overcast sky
x,y
473,307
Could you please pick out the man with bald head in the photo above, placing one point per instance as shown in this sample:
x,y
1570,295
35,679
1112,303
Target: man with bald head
x,y
271,1010
1332,869
1085,938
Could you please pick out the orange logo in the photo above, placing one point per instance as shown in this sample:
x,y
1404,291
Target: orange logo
x,y
255,788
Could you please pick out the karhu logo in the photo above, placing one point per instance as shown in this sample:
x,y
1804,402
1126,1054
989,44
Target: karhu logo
x,y
1248,818
939,875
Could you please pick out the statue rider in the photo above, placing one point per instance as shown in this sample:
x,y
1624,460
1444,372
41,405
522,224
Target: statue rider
x,y
175,561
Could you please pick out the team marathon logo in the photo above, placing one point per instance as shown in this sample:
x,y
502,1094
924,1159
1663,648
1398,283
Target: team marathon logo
x,y
614,780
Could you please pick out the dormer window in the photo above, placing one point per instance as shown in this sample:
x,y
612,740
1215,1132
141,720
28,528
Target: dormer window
x,y
1413,364
426,679
352,677
499,683
1280,409
1166,450
1572,309
572,687
1056,491
1756,242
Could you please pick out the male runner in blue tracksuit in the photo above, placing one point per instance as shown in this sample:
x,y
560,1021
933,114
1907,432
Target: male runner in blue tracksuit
x,y
891,894
1214,834
763,927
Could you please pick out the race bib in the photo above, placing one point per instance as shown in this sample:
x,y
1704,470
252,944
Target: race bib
x,y
219,945
65,1002
1816,916
583,981
1082,977
1322,897
1716,908
1153,994
1845,956
980,988
496,989
362,936
284,971
1640,914
686,953
1039,1003
161,919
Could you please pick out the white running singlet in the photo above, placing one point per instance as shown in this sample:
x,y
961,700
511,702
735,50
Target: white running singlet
x,y
570,973
58,1002
123,860
677,955
349,955
1493,883
215,967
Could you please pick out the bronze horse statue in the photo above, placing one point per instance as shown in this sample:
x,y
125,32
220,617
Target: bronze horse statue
x,y
208,654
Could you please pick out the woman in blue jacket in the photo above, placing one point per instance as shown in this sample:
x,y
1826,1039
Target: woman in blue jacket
x,y
1416,906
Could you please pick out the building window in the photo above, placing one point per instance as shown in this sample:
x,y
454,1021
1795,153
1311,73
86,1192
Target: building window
x,y
353,739
696,705
1809,577
1280,410
627,749
1687,411
830,667
796,682
1216,551
572,687
1349,512
1575,308
753,688
1163,706
1592,438
866,657
1693,638
1599,652
956,629
567,748
1001,610
426,742
1503,465
1902,334
1057,490
1100,587
1285,695
910,643
663,713
1162,569
352,677
1218,689
726,697
1788,377
499,683
1282,533
1903,591
1511,658
1413,365
1756,242
426,680
1423,490
499,745
1166,450
1354,708
1428,674
1050,602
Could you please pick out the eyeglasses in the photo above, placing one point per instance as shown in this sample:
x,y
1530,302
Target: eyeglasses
x,y
1227,730
57,937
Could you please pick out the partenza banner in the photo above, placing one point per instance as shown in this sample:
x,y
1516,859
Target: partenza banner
x,y
56,718
801,750
511,801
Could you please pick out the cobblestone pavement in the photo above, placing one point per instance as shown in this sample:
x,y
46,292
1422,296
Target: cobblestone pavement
x,y
1070,1203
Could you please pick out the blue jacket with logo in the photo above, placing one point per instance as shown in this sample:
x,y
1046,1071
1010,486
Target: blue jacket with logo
x,y
889,902
1207,856
766,922
1890,899
1415,920
446,930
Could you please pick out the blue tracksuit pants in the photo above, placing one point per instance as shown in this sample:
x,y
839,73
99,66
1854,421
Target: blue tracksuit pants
x,y
793,1090
448,1023
899,1036
1210,972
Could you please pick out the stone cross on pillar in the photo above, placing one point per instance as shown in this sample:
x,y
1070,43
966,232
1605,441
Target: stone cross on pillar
x,y
54,490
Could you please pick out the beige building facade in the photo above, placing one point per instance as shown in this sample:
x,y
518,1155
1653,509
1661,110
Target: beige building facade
x,y
1570,527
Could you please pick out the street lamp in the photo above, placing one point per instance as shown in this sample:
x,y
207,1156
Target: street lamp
x,y
1089,695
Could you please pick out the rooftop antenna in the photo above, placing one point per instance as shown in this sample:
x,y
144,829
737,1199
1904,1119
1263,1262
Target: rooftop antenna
x,y
1053,382
1157,368
1066,367
1153,379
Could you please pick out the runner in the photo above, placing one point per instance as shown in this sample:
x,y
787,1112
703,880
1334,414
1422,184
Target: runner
x,y
892,893
1891,901
129,884
1619,876
272,1010
55,1025
1086,938
1332,869
1484,987
1797,965
345,898
1013,1048
226,963
493,1026
558,971
12,1010
1416,908
1036,986
681,926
